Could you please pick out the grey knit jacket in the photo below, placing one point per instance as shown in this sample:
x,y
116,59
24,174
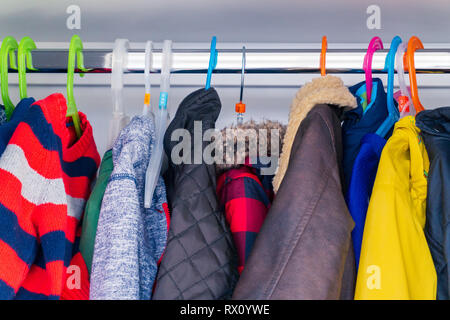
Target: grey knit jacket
x,y
130,239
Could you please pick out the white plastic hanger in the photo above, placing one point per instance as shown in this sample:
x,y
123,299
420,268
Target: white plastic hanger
x,y
154,167
119,63
148,67
401,80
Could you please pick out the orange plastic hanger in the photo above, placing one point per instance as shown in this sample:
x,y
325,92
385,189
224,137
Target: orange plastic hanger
x,y
413,44
323,54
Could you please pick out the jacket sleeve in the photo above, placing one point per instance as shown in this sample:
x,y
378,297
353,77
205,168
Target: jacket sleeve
x,y
115,269
245,204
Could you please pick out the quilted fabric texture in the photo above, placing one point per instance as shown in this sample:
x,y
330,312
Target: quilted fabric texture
x,y
200,261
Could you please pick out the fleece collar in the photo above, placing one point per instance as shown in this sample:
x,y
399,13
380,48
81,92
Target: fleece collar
x,y
263,139
324,90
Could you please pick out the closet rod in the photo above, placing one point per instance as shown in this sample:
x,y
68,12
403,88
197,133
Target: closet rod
x,y
344,61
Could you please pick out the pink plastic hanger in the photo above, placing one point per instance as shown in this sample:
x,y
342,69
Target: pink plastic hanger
x,y
374,45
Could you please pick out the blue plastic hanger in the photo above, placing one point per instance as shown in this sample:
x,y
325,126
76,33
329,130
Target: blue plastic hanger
x,y
212,62
393,114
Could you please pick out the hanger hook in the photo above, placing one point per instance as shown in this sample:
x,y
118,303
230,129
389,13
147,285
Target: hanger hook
x,y
374,45
25,61
323,54
148,66
389,66
405,98
240,106
119,61
242,74
9,45
413,44
212,62
75,51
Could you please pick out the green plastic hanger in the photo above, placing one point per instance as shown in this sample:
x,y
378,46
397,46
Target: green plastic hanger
x,y
9,45
75,50
26,45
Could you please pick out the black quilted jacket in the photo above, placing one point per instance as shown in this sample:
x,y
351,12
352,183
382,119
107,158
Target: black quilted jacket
x,y
200,260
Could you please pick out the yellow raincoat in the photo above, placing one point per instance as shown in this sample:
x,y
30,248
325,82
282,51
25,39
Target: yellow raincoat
x,y
395,261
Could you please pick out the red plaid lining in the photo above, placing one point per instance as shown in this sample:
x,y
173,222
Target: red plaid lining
x,y
245,203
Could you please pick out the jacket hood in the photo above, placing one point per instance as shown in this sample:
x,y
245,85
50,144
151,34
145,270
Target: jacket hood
x,y
230,135
324,90
435,122
376,110
201,105
378,92
359,121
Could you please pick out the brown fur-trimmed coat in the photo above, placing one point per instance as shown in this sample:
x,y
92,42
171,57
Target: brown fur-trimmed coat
x,y
304,248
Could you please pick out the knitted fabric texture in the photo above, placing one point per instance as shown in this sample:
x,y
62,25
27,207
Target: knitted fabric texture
x,y
130,239
79,162
324,90
46,179
8,127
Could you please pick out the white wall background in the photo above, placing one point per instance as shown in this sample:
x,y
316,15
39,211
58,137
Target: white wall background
x,y
274,21
230,20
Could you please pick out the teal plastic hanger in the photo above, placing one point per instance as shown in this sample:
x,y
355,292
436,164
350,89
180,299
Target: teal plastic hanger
x,y
75,51
24,61
212,62
9,45
393,114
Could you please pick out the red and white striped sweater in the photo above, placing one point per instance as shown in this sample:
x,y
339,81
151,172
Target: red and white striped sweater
x,y
46,175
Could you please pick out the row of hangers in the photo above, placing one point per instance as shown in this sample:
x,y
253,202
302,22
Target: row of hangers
x,y
399,53
24,57
119,61
9,45
405,61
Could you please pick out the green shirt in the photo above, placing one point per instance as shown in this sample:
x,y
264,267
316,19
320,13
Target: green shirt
x,y
92,210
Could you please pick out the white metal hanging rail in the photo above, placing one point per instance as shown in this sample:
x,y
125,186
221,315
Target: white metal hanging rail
x,y
271,61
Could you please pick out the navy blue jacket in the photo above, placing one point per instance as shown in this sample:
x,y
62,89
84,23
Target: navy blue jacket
x,y
435,127
358,123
